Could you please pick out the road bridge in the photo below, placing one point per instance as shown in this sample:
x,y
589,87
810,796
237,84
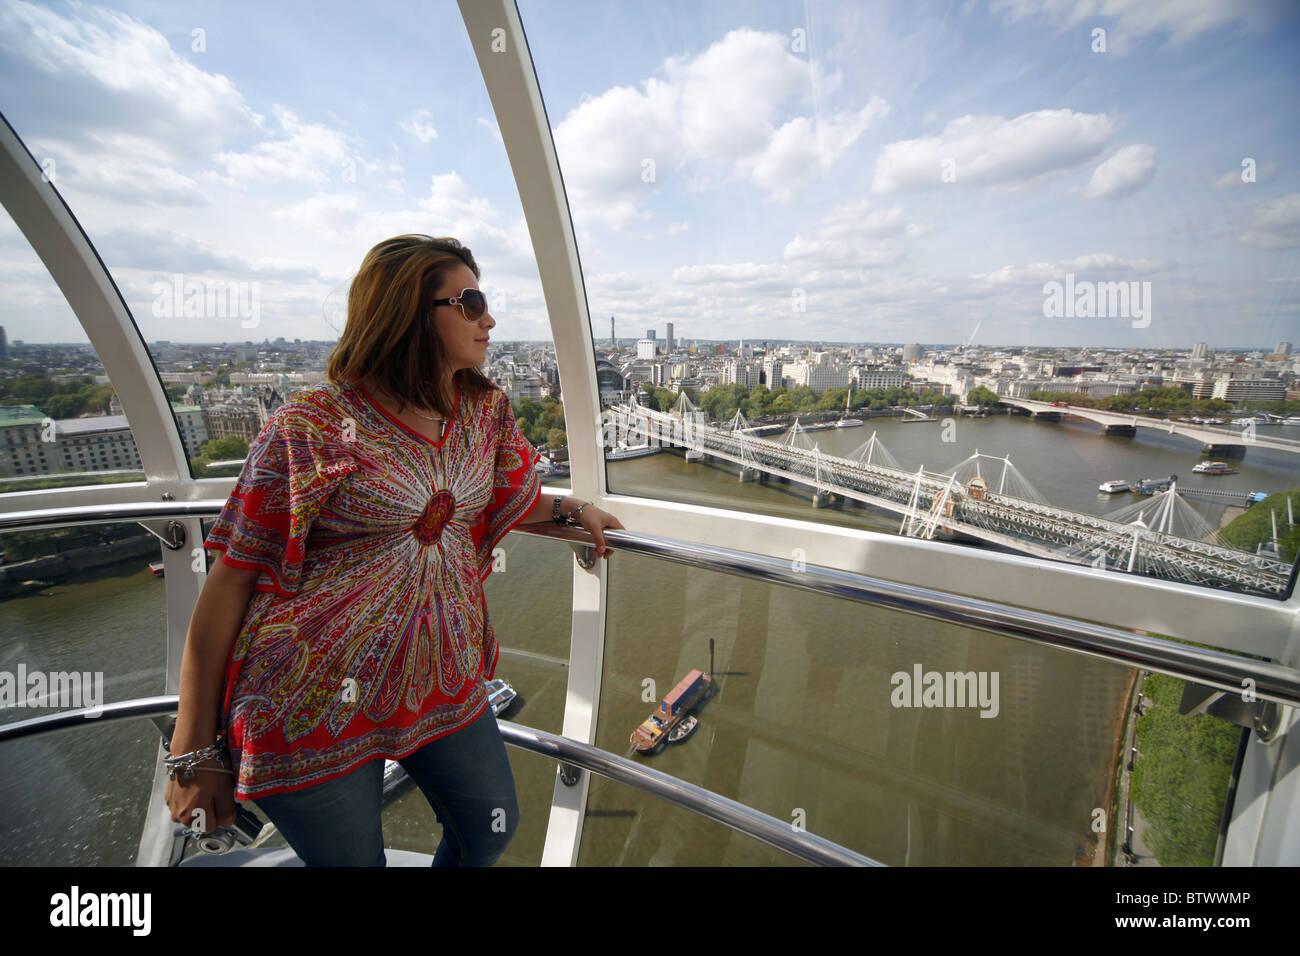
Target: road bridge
x,y
1220,442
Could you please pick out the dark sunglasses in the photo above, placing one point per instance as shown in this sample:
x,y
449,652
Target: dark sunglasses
x,y
471,301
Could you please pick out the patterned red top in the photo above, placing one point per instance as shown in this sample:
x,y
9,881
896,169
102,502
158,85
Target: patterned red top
x,y
368,634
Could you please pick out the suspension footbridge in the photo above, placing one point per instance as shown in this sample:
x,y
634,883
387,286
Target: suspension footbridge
x,y
1001,508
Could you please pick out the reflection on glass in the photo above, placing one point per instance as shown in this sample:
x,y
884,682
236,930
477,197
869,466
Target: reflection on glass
x,y
826,714
955,262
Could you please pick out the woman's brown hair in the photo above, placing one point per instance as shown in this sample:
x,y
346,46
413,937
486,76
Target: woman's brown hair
x,y
390,338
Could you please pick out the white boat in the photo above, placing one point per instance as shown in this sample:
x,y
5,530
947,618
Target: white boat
x,y
623,451
500,695
1113,487
845,421
683,729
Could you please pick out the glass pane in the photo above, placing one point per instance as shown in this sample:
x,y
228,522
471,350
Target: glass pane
x,y
1001,753
83,616
233,211
77,797
60,421
933,238
84,624
1177,775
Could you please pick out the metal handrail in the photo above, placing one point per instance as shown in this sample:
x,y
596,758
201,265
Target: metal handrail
x,y
766,829
1218,669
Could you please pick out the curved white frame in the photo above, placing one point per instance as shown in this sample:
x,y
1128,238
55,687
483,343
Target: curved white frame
x,y
1264,828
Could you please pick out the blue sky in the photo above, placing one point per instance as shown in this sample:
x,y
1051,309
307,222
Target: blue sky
x,y
904,172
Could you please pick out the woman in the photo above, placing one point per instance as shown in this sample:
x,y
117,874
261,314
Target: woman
x,y
354,547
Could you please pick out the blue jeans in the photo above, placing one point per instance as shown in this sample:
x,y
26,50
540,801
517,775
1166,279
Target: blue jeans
x,y
465,776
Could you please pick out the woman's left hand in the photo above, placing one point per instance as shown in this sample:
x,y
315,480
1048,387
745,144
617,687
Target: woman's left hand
x,y
594,521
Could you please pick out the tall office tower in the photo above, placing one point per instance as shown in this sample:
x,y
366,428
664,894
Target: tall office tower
x,y
4,345
1283,348
1200,351
612,340
669,346
650,334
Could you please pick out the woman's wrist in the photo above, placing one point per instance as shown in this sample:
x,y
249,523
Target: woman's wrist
x,y
564,506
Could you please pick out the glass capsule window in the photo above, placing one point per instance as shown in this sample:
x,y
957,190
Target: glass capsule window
x,y
1008,275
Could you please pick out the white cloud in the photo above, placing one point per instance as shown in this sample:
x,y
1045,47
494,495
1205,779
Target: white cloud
x,y
855,236
117,108
729,272
803,148
1123,174
1276,225
308,153
991,150
1127,21
418,125
723,113
1096,264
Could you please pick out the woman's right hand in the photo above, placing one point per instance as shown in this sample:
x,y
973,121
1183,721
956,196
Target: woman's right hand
x,y
203,802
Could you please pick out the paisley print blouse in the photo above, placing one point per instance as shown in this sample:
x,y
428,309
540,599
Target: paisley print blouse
x,y
367,634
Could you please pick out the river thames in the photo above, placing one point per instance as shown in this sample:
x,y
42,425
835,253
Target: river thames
x,y
801,725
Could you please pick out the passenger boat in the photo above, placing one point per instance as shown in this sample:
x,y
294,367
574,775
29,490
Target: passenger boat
x,y
845,421
1148,486
1114,487
546,468
1214,468
624,451
676,706
156,568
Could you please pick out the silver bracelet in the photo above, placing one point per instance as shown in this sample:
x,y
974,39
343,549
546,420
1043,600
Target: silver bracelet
x,y
186,764
572,517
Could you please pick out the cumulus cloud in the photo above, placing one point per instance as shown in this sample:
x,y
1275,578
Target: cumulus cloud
x,y
992,150
1123,174
116,107
306,153
1276,224
723,113
855,235
802,146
